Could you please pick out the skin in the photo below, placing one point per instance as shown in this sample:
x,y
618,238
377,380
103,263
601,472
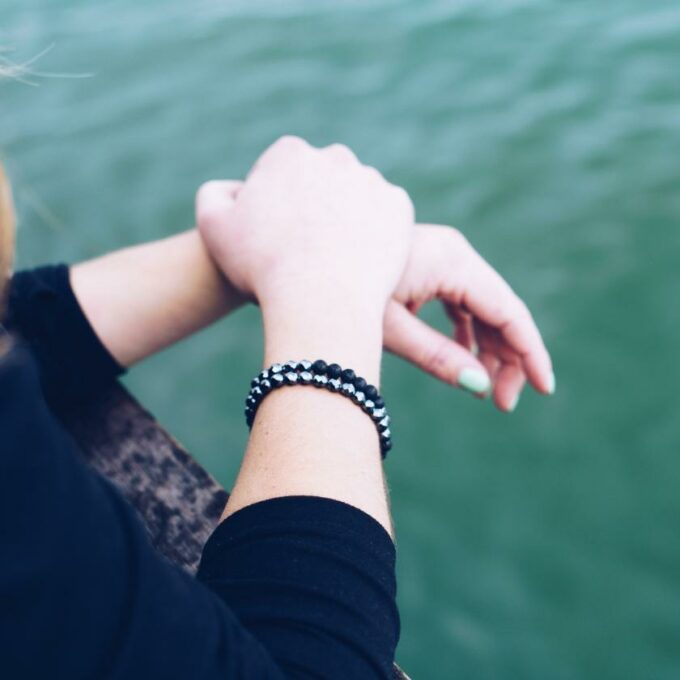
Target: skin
x,y
301,207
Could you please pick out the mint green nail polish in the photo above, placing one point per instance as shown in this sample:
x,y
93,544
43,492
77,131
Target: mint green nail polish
x,y
551,384
474,380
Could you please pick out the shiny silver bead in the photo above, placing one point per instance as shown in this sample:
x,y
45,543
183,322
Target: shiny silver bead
x,y
263,375
306,377
359,397
277,379
320,380
256,392
386,434
348,389
292,364
334,384
368,405
378,414
291,377
265,386
384,424
306,365
276,368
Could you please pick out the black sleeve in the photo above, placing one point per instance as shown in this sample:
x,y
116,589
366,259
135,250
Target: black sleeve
x,y
44,311
314,580
82,592
309,582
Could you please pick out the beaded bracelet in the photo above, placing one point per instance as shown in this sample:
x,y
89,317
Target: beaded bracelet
x,y
330,377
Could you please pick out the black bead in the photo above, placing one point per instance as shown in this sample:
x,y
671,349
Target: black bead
x,y
348,376
319,367
379,403
360,384
371,392
255,382
333,371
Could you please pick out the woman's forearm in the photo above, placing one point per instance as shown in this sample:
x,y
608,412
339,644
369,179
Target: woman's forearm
x,y
142,299
309,442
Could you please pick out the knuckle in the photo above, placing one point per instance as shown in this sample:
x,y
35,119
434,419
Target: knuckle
x,y
340,150
291,142
458,238
372,173
403,200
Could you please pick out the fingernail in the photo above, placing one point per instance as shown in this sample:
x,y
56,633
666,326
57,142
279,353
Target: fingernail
x,y
513,404
551,383
474,380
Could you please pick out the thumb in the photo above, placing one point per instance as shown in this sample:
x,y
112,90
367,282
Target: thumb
x,y
431,351
216,197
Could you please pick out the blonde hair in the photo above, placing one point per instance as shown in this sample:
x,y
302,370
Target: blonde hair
x,y
6,217
7,224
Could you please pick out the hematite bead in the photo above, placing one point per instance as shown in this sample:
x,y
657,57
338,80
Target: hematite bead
x,y
265,386
291,377
264,374
348,389
320,380
292,364
255,381
359,397
360,384
276,368
348,376
306,377
378,414
384,424
305,365
334,384
386,447
333,371
368,404
256,392
277,379
319,367
371,392
386,434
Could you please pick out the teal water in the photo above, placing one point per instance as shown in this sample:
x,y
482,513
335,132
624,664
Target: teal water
x,y
541,545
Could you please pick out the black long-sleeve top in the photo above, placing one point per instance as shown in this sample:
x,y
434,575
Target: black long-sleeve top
x,y
294,587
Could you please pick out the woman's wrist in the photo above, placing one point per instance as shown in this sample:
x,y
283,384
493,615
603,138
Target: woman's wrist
x,y
343,331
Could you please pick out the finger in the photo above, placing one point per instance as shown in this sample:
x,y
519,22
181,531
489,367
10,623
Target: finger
x,y
509,383
216,197
491,300
464,333
431,351
491,365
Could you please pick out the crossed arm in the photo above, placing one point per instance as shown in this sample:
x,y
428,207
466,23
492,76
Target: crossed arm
x,y
142,299
304,443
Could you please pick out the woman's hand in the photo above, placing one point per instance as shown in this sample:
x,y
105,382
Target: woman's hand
x,y
441,265
487,315
320,241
